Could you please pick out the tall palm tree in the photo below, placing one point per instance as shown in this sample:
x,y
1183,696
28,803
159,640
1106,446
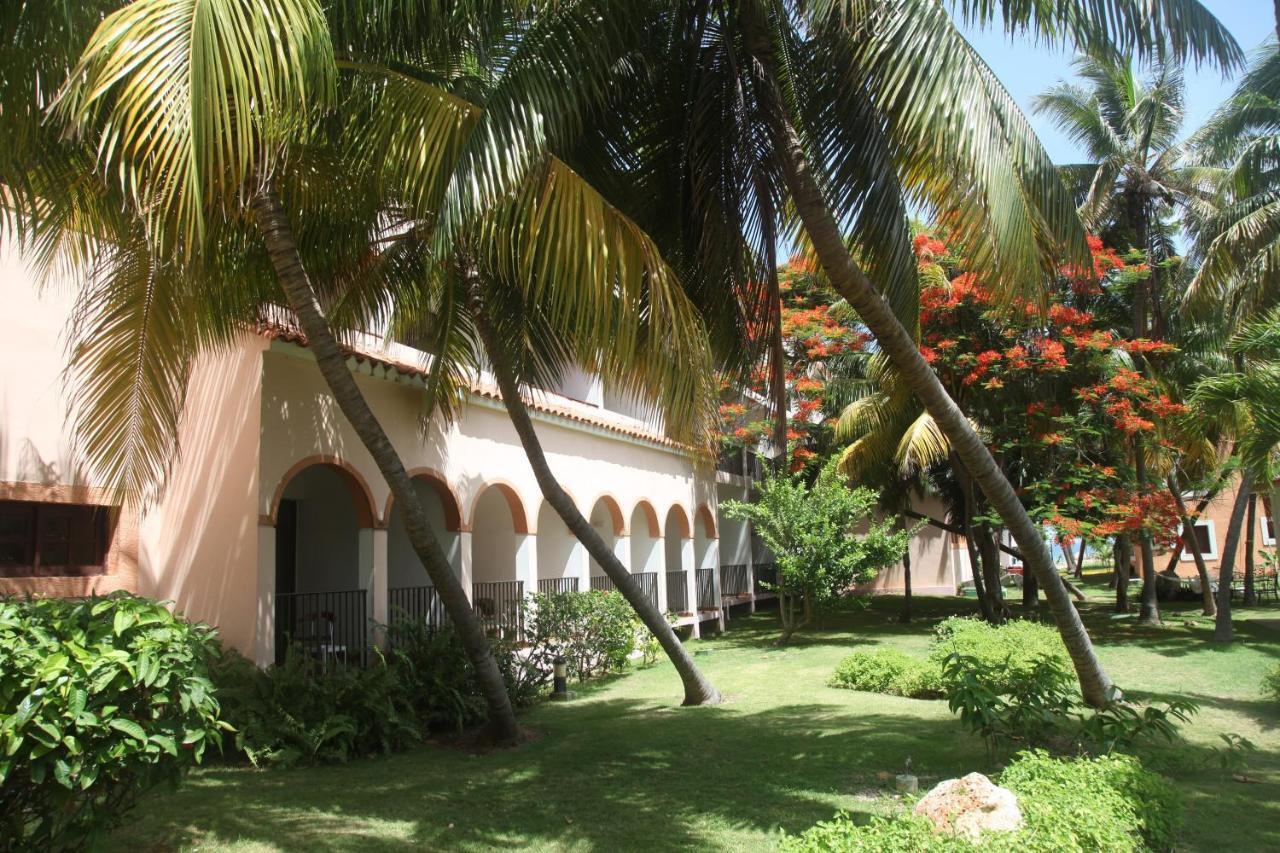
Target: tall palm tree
x,y
1137,176
1248,400
219,116
853,108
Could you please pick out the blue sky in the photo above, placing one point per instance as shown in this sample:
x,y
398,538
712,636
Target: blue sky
x,y
1027,69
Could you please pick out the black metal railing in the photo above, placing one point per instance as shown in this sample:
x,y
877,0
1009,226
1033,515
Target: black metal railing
x,y
743,463
648,582
735,579
601,583
332,627
419,604
556,586
677,593
766,577
705,580
500,607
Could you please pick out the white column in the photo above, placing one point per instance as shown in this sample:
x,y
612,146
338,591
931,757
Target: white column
x,y
713,558
371,572
465,574
264,639
690,583
580,565
527,561
751,565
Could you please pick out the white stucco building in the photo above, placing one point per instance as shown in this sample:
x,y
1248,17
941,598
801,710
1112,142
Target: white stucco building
x,y
275,524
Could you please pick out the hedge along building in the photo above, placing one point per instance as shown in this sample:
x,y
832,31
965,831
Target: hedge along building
x,y
276,527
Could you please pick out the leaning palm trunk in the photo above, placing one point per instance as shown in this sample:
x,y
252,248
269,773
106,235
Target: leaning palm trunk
x,y
697,689
1223,631
1149,610
1250,598
274,224
852,283
1189,538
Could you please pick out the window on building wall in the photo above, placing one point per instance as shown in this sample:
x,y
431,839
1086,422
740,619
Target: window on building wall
x,y
54,539
1207,539
1268,532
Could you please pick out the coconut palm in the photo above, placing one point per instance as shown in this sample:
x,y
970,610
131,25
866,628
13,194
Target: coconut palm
x,y
225,121
1248,402
855,108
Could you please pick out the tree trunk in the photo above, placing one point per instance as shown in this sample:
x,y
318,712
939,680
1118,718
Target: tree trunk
x,y
906,579
990,553
777,354
1223,632
697,689
1080,559
1250,525
273,222
1030,592
851,282
1124,563
1189,537
1149,612
971,541
1068,557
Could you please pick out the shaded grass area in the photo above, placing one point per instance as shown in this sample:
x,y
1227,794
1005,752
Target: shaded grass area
x,y
621,768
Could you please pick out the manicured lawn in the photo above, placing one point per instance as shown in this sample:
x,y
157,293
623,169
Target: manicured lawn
x,y
620,768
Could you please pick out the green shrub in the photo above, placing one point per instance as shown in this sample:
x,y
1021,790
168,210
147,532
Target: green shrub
x,y
1084,804
1104,803
1029,711
889,671
1008,653
295,713
595,631
100,699
1271,684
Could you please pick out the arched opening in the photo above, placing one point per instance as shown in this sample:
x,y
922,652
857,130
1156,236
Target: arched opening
x,y
323,563
559,554
675,540
499,537
645,536
410,593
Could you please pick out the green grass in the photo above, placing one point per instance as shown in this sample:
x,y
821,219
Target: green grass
x,y
620,768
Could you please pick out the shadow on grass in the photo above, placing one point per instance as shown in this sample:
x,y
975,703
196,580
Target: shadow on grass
x,y
605,774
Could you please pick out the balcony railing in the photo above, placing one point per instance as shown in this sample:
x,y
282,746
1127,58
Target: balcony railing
x,y
705,580
332,627
601,583
557,586
500,607
742,463
735,579
416,604
677,593
766,577
648,582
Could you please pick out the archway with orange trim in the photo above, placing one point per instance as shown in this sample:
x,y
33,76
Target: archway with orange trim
x,y
322,562
704,539
404,568
499,525
559,556
356,486
606,517
646,534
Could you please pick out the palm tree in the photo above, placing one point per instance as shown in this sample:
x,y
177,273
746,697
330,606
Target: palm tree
x,y
1128,127
1249,401
221,134
854,107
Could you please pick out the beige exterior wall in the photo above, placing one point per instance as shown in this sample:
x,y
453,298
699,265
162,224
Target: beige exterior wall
x,y
1218,515
199,544
939,560
37,460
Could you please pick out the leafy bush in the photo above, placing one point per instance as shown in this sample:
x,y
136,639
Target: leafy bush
x,y
595,631
100,699
1271,683
1104,803
1043,709
1008,653
1085,804
295,713
889,671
